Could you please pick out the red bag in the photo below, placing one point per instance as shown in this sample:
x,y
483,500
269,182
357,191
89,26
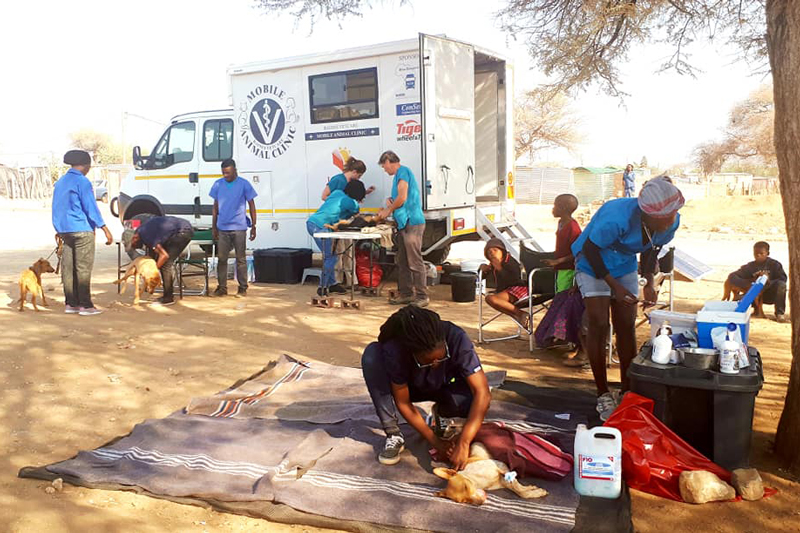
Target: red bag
x,y
362,270
526,453
653,457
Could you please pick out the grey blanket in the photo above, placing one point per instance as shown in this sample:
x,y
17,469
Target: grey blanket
x,y
325,468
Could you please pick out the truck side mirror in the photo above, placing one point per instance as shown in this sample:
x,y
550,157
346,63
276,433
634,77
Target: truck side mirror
x,y
137,157
193,177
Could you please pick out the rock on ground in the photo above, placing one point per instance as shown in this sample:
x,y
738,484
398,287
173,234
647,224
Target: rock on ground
x,y
747,482
701,486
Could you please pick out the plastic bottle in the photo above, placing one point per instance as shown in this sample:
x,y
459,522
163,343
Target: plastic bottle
x,y
729,353
598,461
662,345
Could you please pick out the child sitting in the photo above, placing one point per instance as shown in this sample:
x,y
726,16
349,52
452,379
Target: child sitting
x,y
774,291
510,287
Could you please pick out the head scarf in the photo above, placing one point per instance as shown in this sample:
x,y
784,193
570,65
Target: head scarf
x,y
77,157
660,198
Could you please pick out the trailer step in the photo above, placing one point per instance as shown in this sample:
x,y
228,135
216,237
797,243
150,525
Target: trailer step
x,y
510,231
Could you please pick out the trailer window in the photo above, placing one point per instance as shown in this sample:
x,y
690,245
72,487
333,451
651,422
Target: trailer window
x,y
175,146
340,96
217,139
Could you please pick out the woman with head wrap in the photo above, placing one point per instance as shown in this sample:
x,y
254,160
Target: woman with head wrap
x,y
607,272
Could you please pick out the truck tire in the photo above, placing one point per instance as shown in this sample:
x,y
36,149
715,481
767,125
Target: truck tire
x,y
114,206
438,256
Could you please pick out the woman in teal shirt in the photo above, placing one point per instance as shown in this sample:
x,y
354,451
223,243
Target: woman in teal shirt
x,y
339,205
353,170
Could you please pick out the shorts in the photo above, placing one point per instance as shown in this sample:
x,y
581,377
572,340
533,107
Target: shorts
x,y
592,287
518,292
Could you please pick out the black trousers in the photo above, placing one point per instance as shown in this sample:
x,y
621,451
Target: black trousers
x,y
174,246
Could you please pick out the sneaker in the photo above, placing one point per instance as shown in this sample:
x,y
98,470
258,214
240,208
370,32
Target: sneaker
x,y
68,309
781,318
241,293
606,405
401,300
89,311
337,289
421,302
394,446
219,291
163,302
322,291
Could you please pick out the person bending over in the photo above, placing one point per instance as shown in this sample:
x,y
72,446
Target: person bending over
x,y
419,357
774,291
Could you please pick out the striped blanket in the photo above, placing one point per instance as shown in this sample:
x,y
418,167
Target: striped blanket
x,y
245,450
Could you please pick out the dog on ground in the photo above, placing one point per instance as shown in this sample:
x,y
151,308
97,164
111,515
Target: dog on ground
x,y
145,268
733,292
482,473
30,281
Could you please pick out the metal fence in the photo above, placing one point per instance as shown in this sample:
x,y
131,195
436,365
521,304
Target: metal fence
x,y
25,183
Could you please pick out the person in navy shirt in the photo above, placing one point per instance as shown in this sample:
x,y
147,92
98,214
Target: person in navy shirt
x,y
607,273
419,357
405,206
166,237
353,170
229,224
339,205
75,218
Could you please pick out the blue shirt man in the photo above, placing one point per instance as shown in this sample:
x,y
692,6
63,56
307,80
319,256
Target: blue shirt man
x,y
74,205
229,224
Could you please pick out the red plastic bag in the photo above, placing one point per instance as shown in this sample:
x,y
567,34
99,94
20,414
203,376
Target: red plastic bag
x,y
653,457
362,271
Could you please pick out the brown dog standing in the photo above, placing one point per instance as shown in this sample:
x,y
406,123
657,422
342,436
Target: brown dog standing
x,y
145,268
30,281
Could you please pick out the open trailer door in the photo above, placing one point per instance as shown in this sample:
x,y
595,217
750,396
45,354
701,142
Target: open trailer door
x,y
448,122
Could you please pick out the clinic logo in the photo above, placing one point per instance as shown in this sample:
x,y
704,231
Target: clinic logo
x,y
268,121
410,130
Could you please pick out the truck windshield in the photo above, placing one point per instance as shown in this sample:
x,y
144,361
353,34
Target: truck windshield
x,y
175,146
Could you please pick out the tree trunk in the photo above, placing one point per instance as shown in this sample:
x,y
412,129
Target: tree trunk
x,y
783,42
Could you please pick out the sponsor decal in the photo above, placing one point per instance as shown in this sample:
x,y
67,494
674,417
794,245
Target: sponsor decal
x,y
268,121
414,108
407,72
342,134
410,130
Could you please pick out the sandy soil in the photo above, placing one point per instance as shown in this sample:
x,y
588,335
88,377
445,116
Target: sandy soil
x,y
71,383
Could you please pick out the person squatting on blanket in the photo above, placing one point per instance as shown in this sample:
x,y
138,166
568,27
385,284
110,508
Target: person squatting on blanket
x,y
419,357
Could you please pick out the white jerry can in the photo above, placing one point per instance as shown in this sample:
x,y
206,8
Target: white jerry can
x,y
598,461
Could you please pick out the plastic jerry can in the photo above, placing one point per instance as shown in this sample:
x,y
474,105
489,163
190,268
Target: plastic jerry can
x,y
598,461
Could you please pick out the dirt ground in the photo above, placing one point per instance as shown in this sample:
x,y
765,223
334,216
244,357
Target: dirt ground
x,y
72,383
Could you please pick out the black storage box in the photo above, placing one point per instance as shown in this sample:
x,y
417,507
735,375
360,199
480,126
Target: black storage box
x,y
281,265
710,410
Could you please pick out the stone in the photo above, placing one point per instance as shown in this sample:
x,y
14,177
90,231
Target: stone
x,y
49,490
701,486
58,484
748,484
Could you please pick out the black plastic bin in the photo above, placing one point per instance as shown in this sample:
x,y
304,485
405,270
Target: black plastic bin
x,y
281,265
710,410
462,286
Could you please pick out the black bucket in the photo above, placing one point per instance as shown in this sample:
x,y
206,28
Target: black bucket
x,y
462,286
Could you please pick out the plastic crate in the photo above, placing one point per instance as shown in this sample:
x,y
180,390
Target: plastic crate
x,y
711,411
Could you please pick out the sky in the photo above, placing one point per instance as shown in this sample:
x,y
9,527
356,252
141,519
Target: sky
x,y
67,66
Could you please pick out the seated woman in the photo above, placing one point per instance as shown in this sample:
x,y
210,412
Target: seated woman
x,y
353,170
419,357
339,205
606,273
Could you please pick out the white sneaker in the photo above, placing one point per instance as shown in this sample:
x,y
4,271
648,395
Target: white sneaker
x,y
89,311
68,309
606,405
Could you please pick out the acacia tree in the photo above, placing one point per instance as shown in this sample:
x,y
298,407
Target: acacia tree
x,y
581,42
542,121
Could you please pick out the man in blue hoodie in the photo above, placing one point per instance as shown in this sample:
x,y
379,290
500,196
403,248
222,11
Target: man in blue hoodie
x,y
75,218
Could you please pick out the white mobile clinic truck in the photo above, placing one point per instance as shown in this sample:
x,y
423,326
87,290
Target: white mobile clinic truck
x,y
444,106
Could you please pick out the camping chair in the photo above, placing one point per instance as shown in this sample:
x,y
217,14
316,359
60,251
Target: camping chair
x,y
195,264
541,290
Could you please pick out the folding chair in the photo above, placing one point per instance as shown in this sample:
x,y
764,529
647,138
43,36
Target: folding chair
x,y
541,290
195,264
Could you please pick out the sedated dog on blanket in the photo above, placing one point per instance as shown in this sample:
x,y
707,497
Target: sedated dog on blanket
x,y
482,473
733,292
30,281
141,267
353,223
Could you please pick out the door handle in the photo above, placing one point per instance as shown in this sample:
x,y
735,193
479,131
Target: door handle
x,y
193,177
196,208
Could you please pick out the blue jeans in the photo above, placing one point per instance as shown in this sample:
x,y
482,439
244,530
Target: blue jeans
x,y
328,277
452,399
